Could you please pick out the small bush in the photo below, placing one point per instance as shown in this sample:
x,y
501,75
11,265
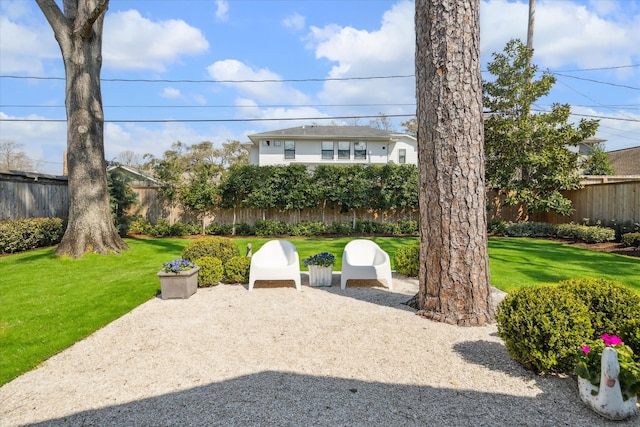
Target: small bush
x,y
408,226
211,271
267,227
407,260
244,229
306,228
215,229
497,227
30,233
185,229
586,233
222,248
631,239
236,270
139,225
528,229
543,326
340,228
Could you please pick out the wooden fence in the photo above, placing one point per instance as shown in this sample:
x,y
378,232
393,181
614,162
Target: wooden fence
x,y
28,195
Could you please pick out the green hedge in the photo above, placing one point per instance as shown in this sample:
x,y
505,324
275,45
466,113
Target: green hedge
x,y
30,233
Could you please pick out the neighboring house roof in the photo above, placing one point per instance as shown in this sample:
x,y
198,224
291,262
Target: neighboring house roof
x,y
334,132
626,161
134,173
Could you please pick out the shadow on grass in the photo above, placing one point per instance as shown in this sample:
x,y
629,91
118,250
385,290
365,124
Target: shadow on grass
x,y
272,398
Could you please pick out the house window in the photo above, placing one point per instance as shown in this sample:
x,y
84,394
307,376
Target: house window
x,y
277,143
327,150
360,150
402,156
343,150
266,143
289,149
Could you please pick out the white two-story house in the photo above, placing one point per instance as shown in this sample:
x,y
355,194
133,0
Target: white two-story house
x,y
314,145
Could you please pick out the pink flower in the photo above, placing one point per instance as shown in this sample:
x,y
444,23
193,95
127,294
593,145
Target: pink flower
x,y
585,349
611,339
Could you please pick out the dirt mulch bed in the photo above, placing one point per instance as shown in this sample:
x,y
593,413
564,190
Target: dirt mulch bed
x,y
611,247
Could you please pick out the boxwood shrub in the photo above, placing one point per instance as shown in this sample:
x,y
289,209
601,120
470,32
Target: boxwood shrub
x,y
236,270
631,239
543,326
211,271
30,233
222,248
407,260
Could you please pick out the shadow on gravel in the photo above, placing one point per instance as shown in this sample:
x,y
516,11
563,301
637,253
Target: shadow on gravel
x,y
284,399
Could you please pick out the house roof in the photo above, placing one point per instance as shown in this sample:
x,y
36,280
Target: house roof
x,y
317,131
626,161
136,174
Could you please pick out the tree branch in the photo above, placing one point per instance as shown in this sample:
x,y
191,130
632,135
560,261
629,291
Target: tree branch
x,y
93,16
54,15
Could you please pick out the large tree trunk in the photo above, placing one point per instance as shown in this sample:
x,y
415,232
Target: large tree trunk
x,y
454,273
79,33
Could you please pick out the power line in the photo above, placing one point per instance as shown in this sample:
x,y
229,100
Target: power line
x,y
222,106
596,81
219,81
215,120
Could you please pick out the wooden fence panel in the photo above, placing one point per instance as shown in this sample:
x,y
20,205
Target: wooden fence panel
x,y
30,196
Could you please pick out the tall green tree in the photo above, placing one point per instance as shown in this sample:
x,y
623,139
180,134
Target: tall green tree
x,y
528,159
597,162
78,31
454,272
122,197
199,195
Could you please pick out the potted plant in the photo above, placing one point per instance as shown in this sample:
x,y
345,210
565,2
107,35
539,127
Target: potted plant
x,y
320,266
609,377
178,279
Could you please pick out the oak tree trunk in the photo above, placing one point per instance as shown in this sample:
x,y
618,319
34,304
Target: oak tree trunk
x,y
79,33
454,273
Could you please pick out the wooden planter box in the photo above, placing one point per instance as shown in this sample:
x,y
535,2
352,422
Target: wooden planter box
x,y
179,285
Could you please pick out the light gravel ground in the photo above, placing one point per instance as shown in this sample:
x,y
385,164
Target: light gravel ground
x,y
278,357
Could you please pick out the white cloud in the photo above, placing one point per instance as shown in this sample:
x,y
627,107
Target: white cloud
x,y
564,33
387,51
222,10
171,93
24,48
133,42
273,91
294,21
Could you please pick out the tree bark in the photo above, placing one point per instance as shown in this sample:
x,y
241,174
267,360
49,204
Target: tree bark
x,y
79,33
454,273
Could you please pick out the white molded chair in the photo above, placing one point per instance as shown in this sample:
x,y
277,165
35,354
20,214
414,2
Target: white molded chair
x,y
363,259
275,260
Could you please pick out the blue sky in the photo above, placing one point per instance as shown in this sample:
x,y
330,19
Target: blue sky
x,y
180,56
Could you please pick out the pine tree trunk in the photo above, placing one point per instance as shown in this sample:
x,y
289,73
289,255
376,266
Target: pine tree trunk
x,y
79,33
454,273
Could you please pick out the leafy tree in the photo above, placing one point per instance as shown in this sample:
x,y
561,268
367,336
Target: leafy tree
x,y
399,187
199,195
293,188
353,188
597,163
122,197
233,153
454,272
235,186
527,155
78,31
169,171
326,189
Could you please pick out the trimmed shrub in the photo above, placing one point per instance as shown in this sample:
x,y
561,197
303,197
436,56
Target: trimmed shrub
x,y
586,233
306,228
631,239
407,260
30,233
408,227
139,225
528,229
222,248
216,229
185,229
340,228
543,326
211,271
236,270
244,229
612,307
267,227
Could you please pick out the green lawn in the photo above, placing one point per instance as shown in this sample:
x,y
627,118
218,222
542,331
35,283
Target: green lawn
x,y
48,303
